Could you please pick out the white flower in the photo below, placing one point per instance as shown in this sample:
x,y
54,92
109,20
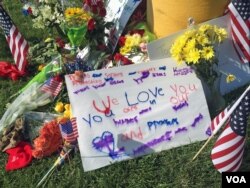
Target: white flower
x,y
38,23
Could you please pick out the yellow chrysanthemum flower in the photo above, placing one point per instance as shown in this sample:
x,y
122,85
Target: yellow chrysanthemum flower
x,y
192,56
76,15
207,53
59,107
230,78
190,34
191,44
203,40
136,39
129,41
179,59
205,27
181,41
125,50
175,49
68,12
221,34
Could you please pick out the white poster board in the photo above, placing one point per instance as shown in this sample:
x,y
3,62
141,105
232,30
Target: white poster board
x,y
229,61
119,12
129,111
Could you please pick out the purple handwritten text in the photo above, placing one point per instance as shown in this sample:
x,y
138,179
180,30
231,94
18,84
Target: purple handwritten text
x,y
98,86
145,111
158,74
125,121
114,82
182,71
180,106
81,90
144,76
166,122
197,120
180,130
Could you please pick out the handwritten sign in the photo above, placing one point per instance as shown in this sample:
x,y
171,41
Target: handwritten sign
x,y
119,13
229,62
129,111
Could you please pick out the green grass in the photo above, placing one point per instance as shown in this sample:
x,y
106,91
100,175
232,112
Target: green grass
x,y
171,168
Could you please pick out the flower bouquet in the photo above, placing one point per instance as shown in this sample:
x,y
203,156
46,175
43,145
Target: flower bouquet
x,y
198,48
133,45
76,22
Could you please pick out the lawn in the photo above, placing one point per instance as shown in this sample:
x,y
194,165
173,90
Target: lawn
x,y
171,168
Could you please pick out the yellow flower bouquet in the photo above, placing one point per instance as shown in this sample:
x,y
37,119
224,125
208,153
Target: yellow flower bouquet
x,y
198,48
76,22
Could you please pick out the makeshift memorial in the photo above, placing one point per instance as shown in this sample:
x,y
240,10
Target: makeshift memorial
x,y
126,112
149,113
198,47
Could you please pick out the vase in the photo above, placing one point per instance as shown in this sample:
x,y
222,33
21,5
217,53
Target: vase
x,y
215,101
76,35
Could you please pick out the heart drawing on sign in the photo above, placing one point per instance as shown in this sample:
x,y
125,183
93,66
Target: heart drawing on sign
x,y
105,144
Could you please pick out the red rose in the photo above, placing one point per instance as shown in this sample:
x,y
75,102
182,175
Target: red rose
x,y
122,41
60,42
100,4
91,24
88,2
58,78
102,12
94,9
137,31
118,57
126,61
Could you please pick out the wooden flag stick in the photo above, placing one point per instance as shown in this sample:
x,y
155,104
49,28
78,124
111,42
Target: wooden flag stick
x,y
206,143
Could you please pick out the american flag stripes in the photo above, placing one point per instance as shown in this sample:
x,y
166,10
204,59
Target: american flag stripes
x,y
216,121
227,153
240,23
52,86
18,45
69,130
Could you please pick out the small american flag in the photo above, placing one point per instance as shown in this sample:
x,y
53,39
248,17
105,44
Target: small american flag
x,y
240,23
18,45
227,153
69,130
216,121
52,86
